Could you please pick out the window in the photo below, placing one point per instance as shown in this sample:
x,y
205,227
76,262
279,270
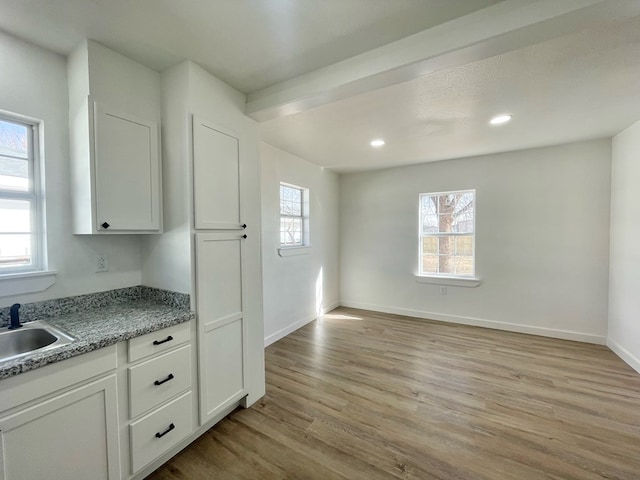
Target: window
x,y
20,206
447,234
294,216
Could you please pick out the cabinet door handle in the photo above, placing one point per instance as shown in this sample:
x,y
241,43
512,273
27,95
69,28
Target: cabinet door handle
x,y
160,435
244,236
160,342
244,225
160,382
105,225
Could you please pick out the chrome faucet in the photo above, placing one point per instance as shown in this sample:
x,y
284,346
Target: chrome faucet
x,y
14,312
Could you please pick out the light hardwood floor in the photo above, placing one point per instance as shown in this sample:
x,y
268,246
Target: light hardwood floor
x,y
364,395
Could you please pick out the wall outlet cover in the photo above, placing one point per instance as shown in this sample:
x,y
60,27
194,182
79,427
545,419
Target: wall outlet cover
x,y
102,265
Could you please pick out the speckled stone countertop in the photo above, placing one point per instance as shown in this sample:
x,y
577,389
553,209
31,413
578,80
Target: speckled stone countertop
x,y
102,324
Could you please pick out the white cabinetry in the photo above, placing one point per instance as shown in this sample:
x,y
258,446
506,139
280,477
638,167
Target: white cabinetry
x,y
220,267
216,177
160,396
115,147
212,189
126,166
117,179
68,436
70,431
221,324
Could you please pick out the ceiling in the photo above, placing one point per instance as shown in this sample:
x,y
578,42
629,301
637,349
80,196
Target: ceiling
x,y
574,88
249,44
324,77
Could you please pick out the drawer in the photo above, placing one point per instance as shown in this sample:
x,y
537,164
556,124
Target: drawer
x,y
157,380
158,342
153,435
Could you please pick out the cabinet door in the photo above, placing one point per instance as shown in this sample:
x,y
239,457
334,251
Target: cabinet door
x,y
221,324
73,436
127,172
216,177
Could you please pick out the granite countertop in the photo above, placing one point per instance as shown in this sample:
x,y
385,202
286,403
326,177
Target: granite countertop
x,y
100,326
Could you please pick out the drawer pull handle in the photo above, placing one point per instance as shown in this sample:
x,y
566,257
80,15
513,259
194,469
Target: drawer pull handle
x,y
160,342
160,435
160,382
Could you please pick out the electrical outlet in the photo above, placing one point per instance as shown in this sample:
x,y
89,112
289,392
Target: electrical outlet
x,y
102,265
443,290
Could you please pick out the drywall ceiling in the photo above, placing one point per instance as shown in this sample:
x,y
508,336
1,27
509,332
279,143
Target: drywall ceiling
x,y
249,44
324,77
576,87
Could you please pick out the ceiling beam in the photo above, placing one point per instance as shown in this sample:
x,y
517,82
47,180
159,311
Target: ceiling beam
x,y
500,28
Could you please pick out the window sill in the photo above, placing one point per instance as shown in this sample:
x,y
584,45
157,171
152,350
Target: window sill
x,y
26,282
451,281
292,251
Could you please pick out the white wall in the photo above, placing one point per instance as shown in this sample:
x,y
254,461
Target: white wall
x,y
298,288
34,83
542,241
167,258
624,277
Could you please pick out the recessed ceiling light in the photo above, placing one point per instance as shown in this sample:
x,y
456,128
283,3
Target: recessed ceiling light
x,y
377,143
500,119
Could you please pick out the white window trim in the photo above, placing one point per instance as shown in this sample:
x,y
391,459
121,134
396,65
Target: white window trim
x,y
305,248
294,251
39,258
450,281
26,282
444,279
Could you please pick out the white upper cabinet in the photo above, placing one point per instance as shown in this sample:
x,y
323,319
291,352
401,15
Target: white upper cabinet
x,y
127,171
114,111
216,177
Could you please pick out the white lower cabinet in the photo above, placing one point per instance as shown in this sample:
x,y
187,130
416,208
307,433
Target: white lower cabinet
x,y
154,434
159,379
72,435
159,394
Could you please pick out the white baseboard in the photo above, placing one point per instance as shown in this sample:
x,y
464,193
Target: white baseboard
x,y
624,354
481,322
274,337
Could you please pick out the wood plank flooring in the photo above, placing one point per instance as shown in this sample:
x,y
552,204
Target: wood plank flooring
x,y
365,395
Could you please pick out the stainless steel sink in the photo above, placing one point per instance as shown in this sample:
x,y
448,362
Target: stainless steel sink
x,y
33,336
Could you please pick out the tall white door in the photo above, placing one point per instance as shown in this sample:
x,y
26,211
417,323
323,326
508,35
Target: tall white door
x,y
220,267
216,177
221,322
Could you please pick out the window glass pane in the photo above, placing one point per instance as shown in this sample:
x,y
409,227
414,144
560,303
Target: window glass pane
x,y
15,250
464,266
430,245
447,245
15,216
14,174
446,264
13,139
429,214
290,201
290,231
429,264
464,246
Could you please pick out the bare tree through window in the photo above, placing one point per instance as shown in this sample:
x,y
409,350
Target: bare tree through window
x,y
447,233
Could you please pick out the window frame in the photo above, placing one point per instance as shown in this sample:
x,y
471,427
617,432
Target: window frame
x,y
421,275
304,217
34,196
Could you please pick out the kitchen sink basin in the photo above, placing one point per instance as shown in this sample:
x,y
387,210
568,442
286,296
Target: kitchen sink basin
x,y
31,337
